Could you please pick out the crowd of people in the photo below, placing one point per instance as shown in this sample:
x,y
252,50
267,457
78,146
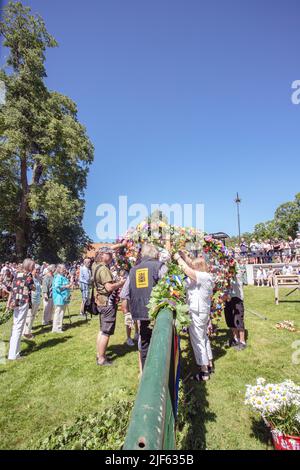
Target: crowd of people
x,y
265,276
104,285
268,251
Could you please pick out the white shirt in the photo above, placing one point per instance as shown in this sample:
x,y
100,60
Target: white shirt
x,y
4,269
236,286
259,274
199,292
287,271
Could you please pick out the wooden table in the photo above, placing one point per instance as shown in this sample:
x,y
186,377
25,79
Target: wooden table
x,y
288,282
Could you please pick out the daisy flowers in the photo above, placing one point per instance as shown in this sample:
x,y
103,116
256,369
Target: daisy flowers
x,y
278,404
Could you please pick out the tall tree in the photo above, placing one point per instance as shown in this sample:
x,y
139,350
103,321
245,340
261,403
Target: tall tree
x,y
44,150
287,217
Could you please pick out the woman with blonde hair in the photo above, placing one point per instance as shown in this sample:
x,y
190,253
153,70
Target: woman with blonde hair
x,y
199,293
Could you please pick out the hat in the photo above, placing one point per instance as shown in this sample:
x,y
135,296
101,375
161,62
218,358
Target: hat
x,y
105,250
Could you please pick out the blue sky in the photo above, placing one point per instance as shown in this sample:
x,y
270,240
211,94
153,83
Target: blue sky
x,y
185,101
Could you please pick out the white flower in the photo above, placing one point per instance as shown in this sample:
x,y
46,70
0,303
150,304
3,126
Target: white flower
x,y
260,381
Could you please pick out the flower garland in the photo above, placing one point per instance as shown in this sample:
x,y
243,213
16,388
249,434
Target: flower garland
x,y
223,267
170,292
221,264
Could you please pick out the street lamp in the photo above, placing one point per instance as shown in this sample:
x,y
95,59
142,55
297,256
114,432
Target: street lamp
x,y
238,201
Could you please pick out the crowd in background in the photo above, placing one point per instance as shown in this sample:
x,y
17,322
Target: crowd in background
x,y
268,251
29,286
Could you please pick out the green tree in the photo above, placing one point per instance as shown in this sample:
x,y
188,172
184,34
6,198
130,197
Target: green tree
x,y
266,230
44,150
287,217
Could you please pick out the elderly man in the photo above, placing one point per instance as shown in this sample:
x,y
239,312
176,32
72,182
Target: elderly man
x,y
84,283
106,300
137,291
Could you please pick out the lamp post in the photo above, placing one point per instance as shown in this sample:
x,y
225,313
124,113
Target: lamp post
x,y
238,201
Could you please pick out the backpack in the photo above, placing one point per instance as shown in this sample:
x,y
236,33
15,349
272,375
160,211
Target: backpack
x,y
90,305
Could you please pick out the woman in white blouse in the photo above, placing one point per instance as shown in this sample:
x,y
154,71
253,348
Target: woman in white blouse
x,y
199,293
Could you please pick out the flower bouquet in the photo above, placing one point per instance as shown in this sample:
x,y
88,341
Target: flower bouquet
x,y
286,325
279,406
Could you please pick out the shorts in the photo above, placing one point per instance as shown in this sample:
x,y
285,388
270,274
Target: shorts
x,y
234,313
107,317
84,291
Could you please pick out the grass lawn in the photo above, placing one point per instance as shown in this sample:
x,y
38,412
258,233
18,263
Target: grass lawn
x,y
58,380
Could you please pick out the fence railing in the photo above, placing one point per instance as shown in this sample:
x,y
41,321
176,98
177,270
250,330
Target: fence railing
x,y
152,424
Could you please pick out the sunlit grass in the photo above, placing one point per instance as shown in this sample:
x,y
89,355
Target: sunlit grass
x,y
58,380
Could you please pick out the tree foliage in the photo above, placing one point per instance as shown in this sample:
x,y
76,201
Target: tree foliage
x,y
284,224
45,152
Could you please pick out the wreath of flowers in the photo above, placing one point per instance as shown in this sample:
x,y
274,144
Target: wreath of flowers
x,y
223,267
169,291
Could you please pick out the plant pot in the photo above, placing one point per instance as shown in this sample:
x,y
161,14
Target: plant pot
x,y
284,442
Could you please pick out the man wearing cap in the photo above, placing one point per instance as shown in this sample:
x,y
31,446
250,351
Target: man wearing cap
x,y
106,300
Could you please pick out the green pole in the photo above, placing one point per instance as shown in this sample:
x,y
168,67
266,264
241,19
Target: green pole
x,y
152,424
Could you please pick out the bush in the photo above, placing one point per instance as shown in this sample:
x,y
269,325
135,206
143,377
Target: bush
x,y
5,315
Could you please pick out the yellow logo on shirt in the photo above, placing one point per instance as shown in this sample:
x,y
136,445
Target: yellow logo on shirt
x,y
141,278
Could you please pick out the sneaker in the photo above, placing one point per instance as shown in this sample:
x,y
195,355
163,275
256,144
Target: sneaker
x,y
233,342
28,336
130,342
240,346
20,358
106,362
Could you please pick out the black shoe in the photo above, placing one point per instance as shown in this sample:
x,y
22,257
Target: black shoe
x,y
233,342
201,377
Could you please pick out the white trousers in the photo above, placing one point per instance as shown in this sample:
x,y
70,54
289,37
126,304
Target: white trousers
x,y
48,311
30,319
199,338
19,318
58,318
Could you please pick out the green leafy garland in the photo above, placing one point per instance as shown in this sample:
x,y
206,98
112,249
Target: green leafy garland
x,y
170,292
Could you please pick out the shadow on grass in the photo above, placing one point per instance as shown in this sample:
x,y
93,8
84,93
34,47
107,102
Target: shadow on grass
x,y
42,329
119,350
219,344
194,411
261,432
50,343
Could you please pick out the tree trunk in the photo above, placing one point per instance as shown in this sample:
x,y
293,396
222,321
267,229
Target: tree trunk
x,y
22,229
